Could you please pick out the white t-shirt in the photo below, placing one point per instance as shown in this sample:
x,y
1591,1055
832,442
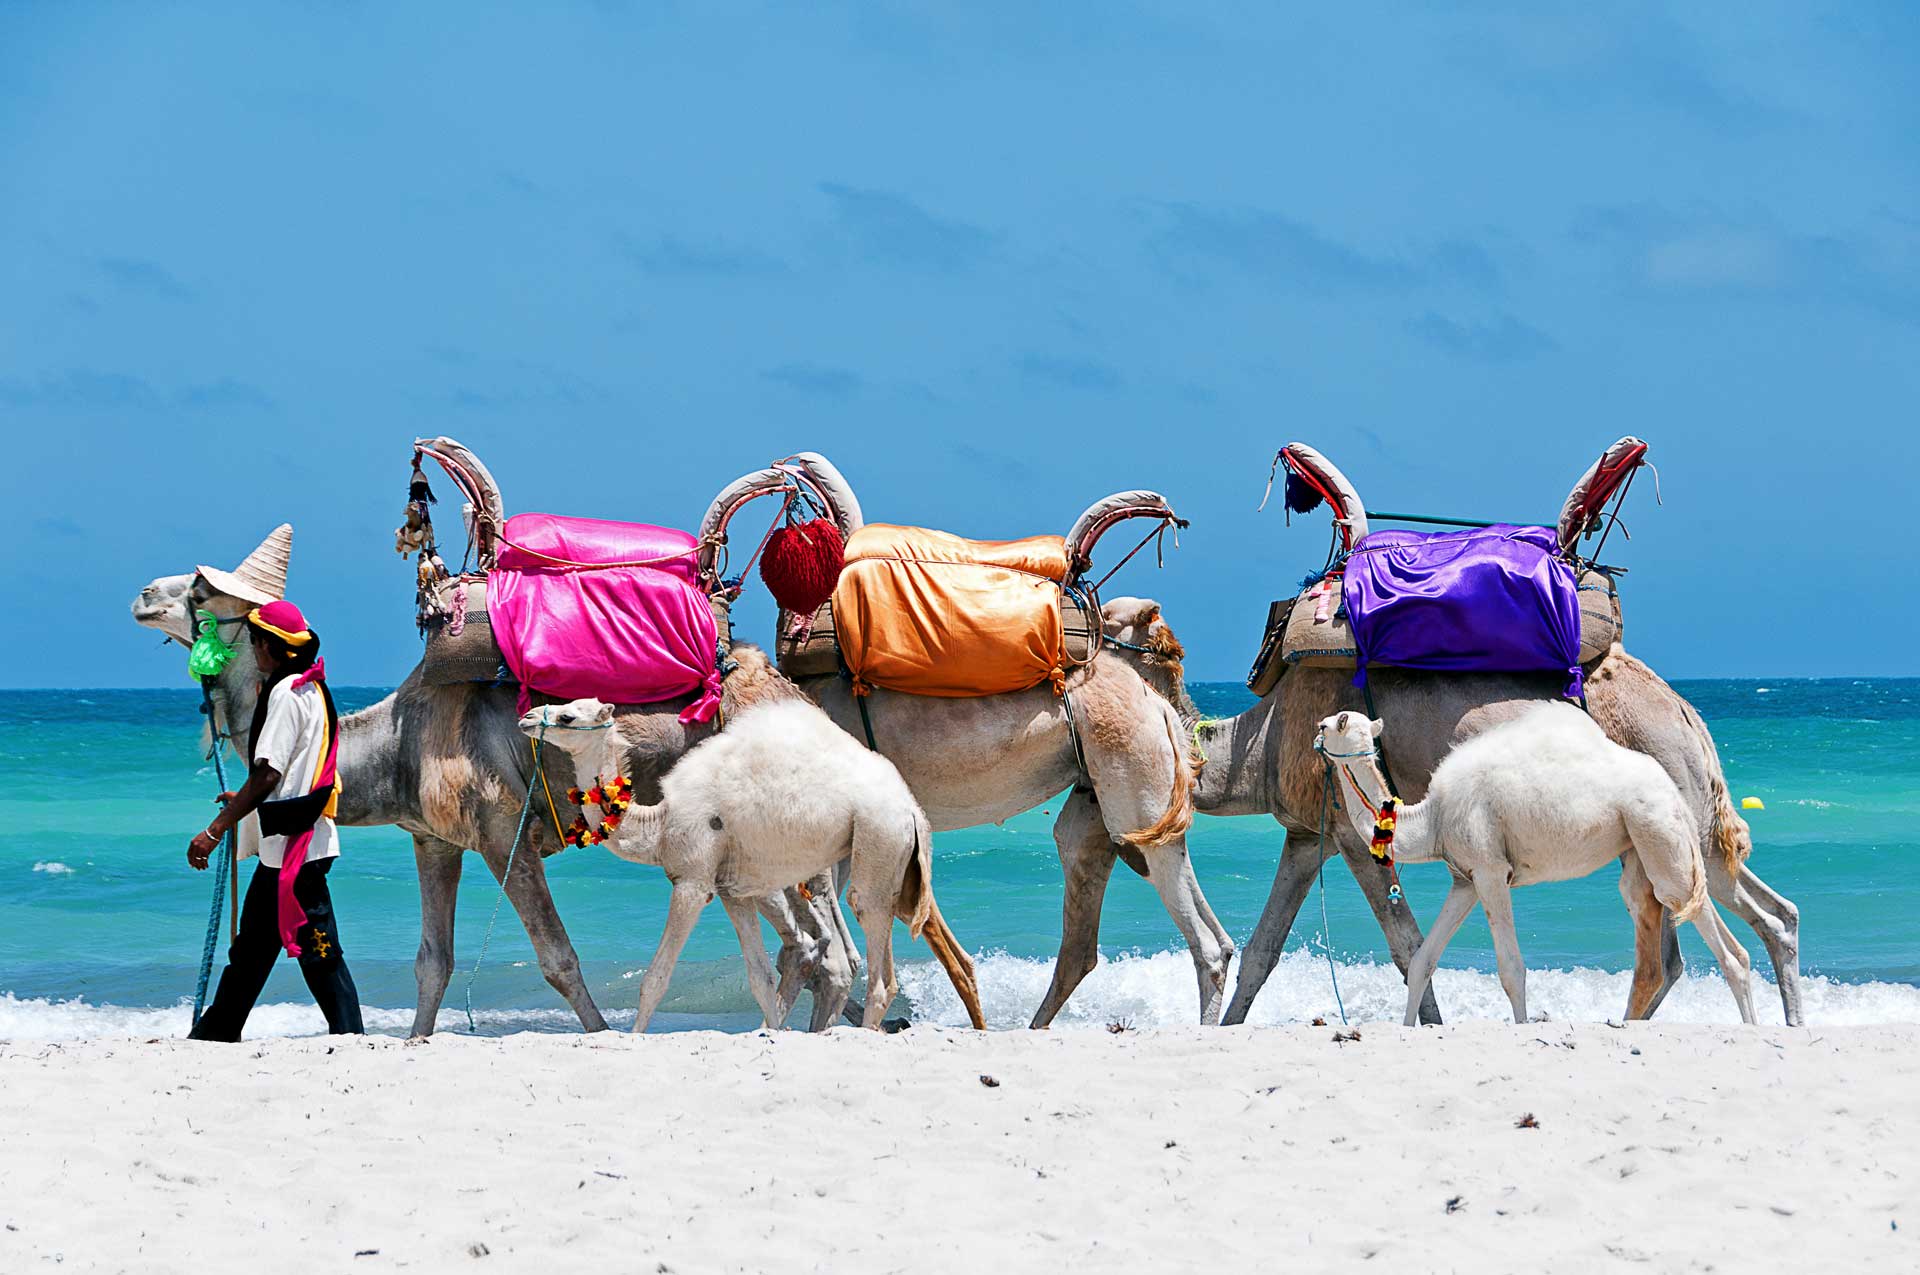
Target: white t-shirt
x,y
293,740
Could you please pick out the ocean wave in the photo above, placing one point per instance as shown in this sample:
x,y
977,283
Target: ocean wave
x,y
1140,990
53,869
1159,990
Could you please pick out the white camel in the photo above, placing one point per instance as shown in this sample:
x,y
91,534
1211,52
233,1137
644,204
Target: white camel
x,y
1543,797
776,798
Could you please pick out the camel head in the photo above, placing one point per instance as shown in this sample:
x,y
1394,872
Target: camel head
x,y
1138,622
580,728
1347,736
162,605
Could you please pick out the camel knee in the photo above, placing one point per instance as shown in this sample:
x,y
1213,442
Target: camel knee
x,y
561,970
1211,956
433,964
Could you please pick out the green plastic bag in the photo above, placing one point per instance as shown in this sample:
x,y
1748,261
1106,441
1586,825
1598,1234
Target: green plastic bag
x,y
210,653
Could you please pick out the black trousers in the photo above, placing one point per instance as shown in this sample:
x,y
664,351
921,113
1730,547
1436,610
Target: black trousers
x,y
253,953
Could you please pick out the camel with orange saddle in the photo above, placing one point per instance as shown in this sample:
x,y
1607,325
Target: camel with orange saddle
x,y
980,670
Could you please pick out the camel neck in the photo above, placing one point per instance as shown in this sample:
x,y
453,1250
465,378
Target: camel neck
x,y
1237,776
1365,774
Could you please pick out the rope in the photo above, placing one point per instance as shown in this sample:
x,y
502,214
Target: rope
x,y
1157,532
526,809
223,865
1328,798
593,566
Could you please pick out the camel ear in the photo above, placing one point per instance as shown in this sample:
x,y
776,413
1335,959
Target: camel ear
x,y
1340,725
1149,615
1378,726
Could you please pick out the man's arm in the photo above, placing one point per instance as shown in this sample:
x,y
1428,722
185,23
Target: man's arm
x,y
261,782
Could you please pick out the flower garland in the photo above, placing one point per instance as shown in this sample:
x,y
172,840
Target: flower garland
x,y
1384,822
611,797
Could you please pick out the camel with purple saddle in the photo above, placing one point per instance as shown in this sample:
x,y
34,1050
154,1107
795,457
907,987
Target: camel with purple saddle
x,y
1111,738
1261,761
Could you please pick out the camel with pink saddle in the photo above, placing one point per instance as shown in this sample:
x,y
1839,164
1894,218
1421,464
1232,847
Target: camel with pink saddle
x,y
443,758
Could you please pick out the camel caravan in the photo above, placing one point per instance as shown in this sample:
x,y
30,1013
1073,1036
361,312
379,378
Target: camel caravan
x,y
581,686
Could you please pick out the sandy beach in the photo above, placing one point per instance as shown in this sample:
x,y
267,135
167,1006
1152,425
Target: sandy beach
x,y
1682,1147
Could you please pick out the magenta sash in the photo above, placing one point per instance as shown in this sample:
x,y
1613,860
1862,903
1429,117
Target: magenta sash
x,y
290,914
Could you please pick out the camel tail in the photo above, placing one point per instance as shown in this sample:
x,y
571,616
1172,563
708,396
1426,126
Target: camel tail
x,y
1732,838
915,905
921,912
1696,891
1179,816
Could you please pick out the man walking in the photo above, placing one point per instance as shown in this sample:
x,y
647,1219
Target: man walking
x,y
292,782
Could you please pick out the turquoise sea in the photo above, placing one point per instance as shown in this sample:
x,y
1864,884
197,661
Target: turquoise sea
x,y
101,921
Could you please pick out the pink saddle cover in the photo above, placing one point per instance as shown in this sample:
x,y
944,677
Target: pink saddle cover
x,y
609,609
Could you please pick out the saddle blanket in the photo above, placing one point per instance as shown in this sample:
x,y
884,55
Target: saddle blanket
x,y
609,609
934,614
1493,599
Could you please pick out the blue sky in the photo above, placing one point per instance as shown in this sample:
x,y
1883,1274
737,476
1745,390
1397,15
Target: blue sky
x,y
996,260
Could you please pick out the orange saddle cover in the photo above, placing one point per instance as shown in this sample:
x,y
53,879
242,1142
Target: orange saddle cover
x,y
932,614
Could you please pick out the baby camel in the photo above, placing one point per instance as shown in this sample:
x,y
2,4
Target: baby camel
x,y
1544,797
777,797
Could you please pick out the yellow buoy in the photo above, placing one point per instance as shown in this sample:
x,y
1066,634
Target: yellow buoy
x,y
1752,803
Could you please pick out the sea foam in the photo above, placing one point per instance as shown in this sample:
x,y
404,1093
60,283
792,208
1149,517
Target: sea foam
x,y
1142,991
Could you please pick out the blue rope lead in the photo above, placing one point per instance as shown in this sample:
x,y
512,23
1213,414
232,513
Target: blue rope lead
x,y
1326,929
223,865
526,809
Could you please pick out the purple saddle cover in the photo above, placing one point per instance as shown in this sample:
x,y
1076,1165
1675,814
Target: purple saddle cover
x,y
1493,599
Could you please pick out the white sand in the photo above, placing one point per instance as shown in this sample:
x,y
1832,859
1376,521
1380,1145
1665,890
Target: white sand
x,y
1226,1150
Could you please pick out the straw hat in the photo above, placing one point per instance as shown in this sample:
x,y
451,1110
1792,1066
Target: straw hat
x,y
262,578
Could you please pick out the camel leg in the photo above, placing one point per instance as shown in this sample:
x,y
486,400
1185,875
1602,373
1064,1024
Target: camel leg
x,y
959,966
1650,933
1171,868
1735,966
1292,881
799,957
882,986
1773,917
1299,860
833,992
1397,922
1496,900
1086,862
438,865
746,924
811,952
527,890
1460,901
682,911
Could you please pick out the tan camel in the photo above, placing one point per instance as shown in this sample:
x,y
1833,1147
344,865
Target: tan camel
x,y
1543,797
780,795
1262,762
986,759
450,766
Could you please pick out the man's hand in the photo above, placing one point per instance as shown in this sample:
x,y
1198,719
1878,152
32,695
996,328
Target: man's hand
x,y
199,850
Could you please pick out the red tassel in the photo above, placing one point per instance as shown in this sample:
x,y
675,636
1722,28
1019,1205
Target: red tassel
x,y
801,564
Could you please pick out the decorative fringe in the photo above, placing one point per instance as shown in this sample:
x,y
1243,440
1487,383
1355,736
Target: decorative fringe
x,y
1302,498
